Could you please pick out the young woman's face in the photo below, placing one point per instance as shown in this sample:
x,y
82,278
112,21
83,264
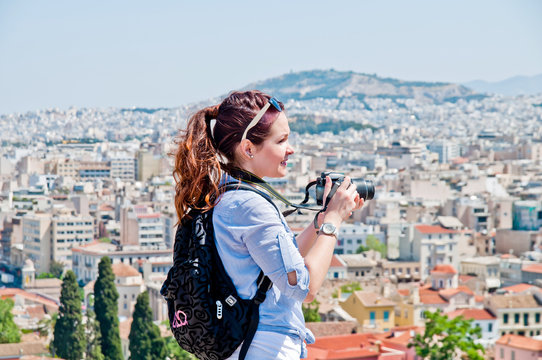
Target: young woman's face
x,y
270,157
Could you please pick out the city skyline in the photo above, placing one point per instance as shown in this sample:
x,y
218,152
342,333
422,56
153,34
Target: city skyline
x,y
129,54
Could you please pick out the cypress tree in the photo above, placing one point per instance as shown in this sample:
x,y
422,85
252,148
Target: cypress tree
x,y
105,304
92,327
69,335
145,340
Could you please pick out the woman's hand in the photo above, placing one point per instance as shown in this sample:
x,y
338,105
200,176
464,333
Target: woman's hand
x,y
345,200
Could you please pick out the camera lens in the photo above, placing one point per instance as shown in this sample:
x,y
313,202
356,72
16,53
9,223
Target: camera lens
x,y
366,189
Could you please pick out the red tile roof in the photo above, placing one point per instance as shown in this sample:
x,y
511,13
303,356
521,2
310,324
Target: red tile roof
x,y
12,292
449,293
518,288
520,342
476,314
535,268
335,262
431,297
403,292
352,346
434,229
444,268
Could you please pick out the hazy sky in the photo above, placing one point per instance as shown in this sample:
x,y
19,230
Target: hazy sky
x,y
168,53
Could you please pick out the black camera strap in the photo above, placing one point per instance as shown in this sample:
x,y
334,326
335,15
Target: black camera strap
x,y
250,178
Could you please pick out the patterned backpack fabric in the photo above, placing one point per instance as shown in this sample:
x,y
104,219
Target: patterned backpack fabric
x,y
207,316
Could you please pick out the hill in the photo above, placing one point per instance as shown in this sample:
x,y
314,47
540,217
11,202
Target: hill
x,y
328,84
517,85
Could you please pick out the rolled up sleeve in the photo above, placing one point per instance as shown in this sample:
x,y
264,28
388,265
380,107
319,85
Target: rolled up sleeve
x,y
272,247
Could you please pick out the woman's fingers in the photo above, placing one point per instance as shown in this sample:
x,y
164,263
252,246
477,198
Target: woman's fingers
x,y
327,189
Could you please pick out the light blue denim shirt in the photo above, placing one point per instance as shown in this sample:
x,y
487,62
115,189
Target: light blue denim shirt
x,y
250,235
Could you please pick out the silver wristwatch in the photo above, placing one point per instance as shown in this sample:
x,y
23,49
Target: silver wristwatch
x,y
329,229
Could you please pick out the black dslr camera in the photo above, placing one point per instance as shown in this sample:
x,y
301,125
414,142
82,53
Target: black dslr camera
x,y
365,188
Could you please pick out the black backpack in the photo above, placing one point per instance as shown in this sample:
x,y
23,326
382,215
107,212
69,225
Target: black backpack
x,y
206,315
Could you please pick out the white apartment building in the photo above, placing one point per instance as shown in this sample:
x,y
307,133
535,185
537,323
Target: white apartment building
x,y
129,284
49,237
123,168
87,257
141,226
432,245
352,236
485,268
445,149
37,240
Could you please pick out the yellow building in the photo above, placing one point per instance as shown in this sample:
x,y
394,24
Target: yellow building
x,y
373,311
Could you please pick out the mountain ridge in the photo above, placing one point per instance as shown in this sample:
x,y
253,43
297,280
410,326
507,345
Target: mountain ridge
x,y
513,86
311,84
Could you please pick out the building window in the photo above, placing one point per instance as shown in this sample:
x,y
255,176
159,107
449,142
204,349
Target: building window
x,y
516,318
505,318
513,355
502,353
372,316
386,316
525,319
537,318
490,327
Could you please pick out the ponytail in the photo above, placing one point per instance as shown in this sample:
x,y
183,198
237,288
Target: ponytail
x,y
197,169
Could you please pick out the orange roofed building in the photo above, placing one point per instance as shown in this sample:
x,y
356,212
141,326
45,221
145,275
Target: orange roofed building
x,y
515,347
391,345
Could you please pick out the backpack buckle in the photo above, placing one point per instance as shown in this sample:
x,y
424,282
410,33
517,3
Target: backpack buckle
x,y
230,300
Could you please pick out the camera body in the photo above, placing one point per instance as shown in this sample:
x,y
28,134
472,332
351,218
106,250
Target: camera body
x,y
365,188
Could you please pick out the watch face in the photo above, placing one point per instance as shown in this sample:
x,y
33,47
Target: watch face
x,y
328,228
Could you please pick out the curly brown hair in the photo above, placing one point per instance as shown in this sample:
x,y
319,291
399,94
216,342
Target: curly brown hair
x,y
198,169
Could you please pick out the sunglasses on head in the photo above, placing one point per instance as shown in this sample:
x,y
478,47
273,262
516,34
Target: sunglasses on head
x,y
273,101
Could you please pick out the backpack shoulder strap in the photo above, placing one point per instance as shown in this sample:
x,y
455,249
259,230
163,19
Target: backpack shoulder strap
x,y
264,283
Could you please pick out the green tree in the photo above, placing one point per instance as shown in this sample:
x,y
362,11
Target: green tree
x,y
445,338
373,244
9,332
145,340
56,269
175,352
310,311
47,324
92,330
69,334
105,303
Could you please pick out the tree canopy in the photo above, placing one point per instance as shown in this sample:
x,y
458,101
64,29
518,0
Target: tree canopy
x,y
145,340
373,244
105,303
9,332
310,311
446,338
69,340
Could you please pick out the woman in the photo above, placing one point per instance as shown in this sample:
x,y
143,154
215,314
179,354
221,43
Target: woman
x,y
249,131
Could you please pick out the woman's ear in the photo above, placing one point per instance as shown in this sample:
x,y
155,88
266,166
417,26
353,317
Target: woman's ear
x,y
246,148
